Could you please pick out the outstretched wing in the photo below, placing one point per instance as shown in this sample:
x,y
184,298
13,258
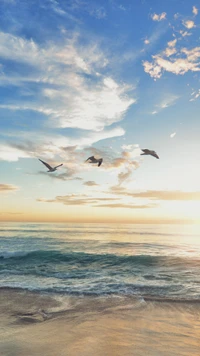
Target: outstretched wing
x,y
59,165
46,164
155,154
100,162
92,157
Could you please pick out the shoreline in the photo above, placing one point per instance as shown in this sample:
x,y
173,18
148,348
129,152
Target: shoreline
x,y
35,324
134,297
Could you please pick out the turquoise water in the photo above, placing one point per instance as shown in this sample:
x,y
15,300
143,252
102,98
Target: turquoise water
x,y
90,259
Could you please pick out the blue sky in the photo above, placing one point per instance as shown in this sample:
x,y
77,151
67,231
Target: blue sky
x,y
104,78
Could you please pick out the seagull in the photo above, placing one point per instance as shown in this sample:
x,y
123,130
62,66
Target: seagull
x,y
92,159
149,152
51,169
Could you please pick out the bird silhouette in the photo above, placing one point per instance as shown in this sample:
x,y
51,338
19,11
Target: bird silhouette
x,y
51,169
92,159
149,152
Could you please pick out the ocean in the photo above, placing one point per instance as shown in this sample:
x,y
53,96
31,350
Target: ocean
x,y
157,262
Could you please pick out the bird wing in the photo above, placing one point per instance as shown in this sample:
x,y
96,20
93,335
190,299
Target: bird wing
x,y
59,165
155,154
145,150
92,157
100,162
46,164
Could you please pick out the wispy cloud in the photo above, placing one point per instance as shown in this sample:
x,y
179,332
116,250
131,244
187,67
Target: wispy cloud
x,y
56,7
164,195
90,183
5,188
76,199
68,175
91,8
167,101
72,93
159,17
127,206
95,202
185,33
195,95
120,165
98,12
173,134
50,146
155,195
195,10
124,164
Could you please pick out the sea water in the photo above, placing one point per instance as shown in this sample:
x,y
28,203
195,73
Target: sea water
x,y
145,261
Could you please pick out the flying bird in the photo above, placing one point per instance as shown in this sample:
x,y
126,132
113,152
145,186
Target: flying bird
x,y
149,152
92,159
51,169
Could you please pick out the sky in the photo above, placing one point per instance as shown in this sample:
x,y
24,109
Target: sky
x,y
104,78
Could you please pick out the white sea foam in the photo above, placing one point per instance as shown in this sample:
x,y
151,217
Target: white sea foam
x,y
12,254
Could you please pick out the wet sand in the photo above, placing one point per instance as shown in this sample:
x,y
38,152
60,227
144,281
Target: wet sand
x,y
32,324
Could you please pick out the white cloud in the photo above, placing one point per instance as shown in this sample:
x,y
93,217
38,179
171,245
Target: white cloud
x,y
157,17
91,108
195,95
173,134
195,10
83,108
75,101
146,41
8,153
185,33
169,51
172,43
189,24
168,101
174,65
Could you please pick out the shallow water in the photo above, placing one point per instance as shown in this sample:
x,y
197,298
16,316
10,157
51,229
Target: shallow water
x,y
47,324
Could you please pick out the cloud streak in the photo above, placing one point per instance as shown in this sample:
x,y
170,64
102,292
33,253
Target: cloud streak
x,y
128,206
175,195
79,200
76,199
6,188
90,183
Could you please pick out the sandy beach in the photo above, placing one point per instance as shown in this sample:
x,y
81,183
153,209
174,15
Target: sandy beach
x,y
35,324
